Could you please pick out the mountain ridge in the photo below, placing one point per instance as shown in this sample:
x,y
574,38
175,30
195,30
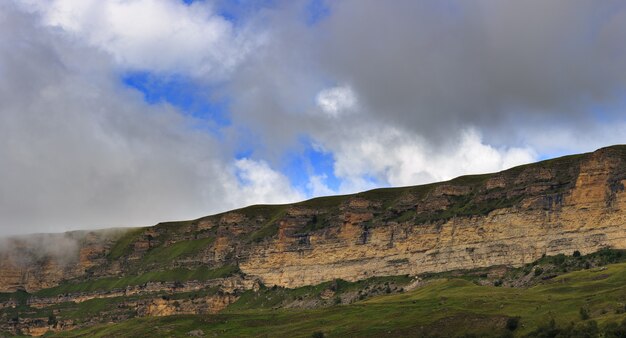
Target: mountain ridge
x,y
510,218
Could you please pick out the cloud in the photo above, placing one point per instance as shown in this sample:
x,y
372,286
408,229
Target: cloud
x,y
80,150
63,249
156,35
336,100
317,186
440,66
397,94
436,68
258,183
560,140
398,157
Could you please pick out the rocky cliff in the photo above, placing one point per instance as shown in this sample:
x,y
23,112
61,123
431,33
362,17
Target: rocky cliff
x,y
509,218
573,203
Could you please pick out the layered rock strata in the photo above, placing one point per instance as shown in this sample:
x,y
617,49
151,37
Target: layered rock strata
x,y
574,203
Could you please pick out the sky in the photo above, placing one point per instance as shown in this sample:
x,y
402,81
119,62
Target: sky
x,y
131,112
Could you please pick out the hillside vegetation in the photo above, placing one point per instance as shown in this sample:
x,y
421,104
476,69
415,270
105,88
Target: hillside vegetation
x,y
591,302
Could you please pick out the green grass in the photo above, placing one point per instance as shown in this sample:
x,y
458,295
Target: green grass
x,y
447,307
19,296
406,216
389,196
89,308
163,254
269,298
465,205
318,222
107,284
270,227
471,179
123,244
261,210
326,202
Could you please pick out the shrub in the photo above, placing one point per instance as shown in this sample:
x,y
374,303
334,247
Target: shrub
x,y
52,320
512,323
584,313
507,334
547,330
613,330
538,271
586,329
559,259
576,253
318,334
619,311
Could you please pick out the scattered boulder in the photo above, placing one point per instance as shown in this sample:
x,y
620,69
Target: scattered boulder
x,y
196,333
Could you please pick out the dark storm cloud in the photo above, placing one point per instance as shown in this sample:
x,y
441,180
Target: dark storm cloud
x,y
434,67
435,64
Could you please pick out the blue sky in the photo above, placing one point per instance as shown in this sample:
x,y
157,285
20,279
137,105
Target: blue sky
x,y
300,163
198,102
148,110
182,93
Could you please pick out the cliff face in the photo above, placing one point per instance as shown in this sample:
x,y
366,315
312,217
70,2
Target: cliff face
x,y
508,218
574,203
41,261
559,207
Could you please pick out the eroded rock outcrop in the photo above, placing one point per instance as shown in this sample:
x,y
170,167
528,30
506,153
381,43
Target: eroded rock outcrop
x,y
584,211
511,217
575,203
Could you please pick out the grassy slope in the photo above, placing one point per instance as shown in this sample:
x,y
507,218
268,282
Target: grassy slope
x,y
445,307
111,283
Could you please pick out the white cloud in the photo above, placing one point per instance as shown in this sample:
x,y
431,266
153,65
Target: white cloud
x,y
561,140
78,150
401,158
318,187
154,35
67,126
336,100
258,183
